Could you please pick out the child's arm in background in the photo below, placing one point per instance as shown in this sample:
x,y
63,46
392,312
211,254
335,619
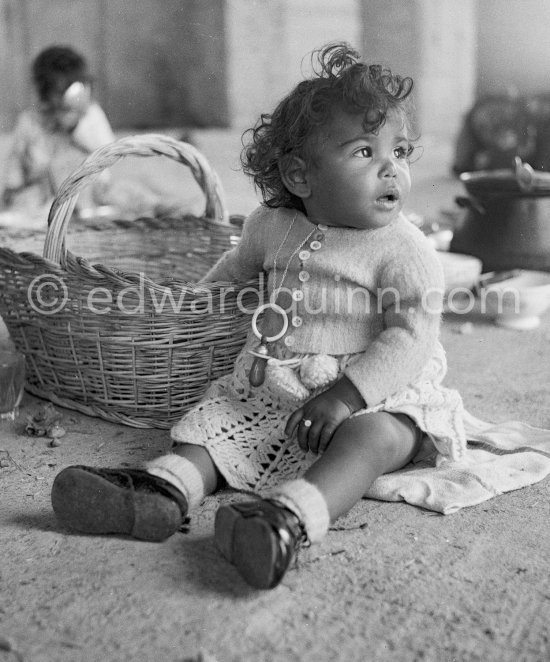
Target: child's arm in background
x,y
27,160
92,132
93,129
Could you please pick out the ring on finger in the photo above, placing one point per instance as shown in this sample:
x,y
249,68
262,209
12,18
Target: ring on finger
x,y
307,423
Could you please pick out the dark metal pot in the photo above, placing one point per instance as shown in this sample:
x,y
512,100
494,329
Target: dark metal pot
x,y
507,219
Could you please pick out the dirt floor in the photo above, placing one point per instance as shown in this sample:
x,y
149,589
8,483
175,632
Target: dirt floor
x,y
390,583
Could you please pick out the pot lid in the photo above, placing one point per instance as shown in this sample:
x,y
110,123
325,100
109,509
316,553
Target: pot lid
x,y
521,180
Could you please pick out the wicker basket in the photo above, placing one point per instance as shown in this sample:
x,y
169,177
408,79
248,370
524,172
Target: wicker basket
x,y
130,339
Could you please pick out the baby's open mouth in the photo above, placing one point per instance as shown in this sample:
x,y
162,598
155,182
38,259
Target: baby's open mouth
x,y
389,197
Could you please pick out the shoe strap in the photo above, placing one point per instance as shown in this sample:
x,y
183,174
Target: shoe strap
x,y
287,529
160,485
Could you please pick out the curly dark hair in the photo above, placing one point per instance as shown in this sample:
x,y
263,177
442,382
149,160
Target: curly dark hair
x,y
57,67
340,82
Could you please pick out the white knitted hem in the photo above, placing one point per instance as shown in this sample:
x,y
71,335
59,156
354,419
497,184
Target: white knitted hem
x,y
308,503
182,474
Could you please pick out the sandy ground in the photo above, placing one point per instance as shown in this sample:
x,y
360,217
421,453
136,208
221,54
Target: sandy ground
x,y
390,583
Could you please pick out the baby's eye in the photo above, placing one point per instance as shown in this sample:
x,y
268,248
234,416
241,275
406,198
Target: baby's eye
x,y
363,152
403,152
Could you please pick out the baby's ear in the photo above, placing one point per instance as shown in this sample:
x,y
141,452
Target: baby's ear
x,y
293,171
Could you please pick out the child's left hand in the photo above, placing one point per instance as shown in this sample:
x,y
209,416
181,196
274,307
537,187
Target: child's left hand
x,y
326,412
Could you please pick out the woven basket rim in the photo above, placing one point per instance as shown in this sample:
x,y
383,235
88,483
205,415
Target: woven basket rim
x,y
144,145
80,266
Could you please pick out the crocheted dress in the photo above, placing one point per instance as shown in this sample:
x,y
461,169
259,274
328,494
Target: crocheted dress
x,y
242,426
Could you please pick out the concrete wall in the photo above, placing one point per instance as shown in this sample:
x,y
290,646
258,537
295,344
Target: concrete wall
x,y
164,63
446,87
434,43
267,44
514,46
156,62
222,62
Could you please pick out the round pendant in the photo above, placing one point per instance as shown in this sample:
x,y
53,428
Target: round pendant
x,y
277,309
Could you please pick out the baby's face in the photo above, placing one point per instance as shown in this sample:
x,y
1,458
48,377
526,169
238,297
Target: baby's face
x,y
360,180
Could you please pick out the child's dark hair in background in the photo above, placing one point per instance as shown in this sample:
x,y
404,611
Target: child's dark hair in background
x,y
56,68
295,126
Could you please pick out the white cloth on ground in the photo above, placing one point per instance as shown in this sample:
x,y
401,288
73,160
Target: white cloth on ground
x,y
500,458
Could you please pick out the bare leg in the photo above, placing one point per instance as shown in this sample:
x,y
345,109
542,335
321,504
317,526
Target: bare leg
x,y
200,457
362,448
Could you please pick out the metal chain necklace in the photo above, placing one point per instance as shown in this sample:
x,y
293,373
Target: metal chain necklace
x,y
261,353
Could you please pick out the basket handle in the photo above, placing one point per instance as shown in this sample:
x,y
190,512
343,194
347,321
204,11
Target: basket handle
x,y
148,144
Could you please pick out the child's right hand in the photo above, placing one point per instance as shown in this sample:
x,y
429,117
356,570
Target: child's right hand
x,y
324,413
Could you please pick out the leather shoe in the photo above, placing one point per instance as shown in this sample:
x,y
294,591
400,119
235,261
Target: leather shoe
x,y
260,538
127,501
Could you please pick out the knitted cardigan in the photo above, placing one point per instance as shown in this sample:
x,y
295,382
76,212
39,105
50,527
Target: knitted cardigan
x,y
377,293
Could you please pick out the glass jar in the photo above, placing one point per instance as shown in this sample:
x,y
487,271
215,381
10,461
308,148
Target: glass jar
x,y
12,381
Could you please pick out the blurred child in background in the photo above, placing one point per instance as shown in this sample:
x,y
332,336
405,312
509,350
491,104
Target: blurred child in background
x,y
53,136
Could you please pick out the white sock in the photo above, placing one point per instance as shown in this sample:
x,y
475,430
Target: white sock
x,y
306,501
182,474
